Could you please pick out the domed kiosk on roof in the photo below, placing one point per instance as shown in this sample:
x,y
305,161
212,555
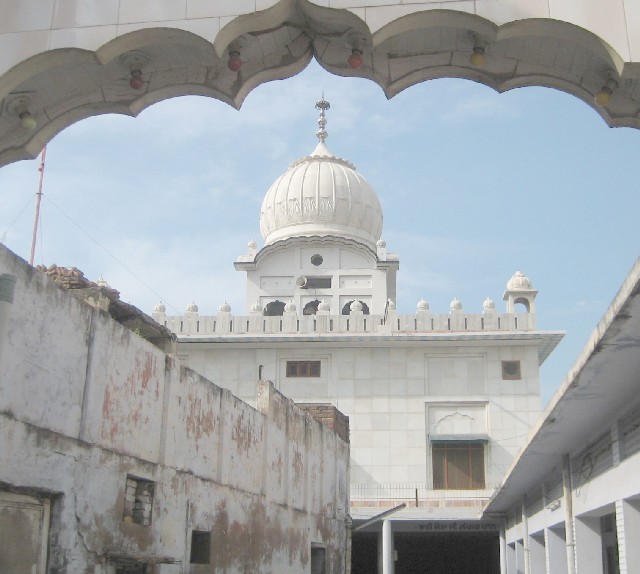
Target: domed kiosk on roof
x,y
520,291
323,215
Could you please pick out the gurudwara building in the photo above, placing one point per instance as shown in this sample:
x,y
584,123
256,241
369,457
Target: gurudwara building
x,y
439,403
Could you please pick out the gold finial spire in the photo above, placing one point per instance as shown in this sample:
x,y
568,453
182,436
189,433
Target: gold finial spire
x,y
323,106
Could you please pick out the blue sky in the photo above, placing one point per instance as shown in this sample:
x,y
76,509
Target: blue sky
x,y
474,185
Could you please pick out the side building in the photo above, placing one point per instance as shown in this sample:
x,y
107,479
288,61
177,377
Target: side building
x,y
439,404
116,459
571,500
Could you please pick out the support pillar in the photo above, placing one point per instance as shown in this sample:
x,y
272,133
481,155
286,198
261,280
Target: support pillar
x,y
628,535
503,550
567,491
388,563
525,538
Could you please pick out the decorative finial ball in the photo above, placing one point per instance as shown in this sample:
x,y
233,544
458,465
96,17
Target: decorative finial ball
x,y
256,307
489,304
356,306
391,305
422,305
192,307
252,244
225,308
234,63
455,305
290,307
381,243
101,282
159,308
355,61
324,306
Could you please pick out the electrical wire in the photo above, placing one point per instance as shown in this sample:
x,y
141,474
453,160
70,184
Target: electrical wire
x,y
130,271
6,231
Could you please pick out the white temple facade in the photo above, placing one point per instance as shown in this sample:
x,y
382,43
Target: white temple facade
x,y
439,403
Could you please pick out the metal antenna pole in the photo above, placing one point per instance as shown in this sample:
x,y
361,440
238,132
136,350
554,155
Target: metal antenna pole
x,y
38,199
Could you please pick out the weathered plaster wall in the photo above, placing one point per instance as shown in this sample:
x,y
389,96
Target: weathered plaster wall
x,y
84,403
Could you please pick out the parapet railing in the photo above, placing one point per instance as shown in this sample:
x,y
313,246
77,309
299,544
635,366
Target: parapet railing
x,y
193,324
415,495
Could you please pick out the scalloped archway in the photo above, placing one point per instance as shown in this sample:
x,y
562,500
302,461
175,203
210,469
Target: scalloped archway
x,y
61,86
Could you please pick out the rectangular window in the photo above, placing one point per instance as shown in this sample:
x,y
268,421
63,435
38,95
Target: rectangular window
x,y
511,370
318,283
200,547
138,501
303,368
458,466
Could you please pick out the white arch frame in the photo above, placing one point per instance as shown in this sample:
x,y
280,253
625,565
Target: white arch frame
x,y
411,44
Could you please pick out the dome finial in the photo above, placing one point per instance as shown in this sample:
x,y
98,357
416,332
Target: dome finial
x,y
323,106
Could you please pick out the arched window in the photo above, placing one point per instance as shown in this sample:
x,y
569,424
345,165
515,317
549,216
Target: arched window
x,y
274,309
346,310
524,301
311,308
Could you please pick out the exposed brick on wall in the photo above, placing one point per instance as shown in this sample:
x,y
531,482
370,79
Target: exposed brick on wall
x,y
329,416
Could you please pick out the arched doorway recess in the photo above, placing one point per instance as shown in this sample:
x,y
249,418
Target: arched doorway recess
x,y
63,65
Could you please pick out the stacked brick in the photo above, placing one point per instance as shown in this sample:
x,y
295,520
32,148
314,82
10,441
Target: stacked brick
x,y
138,501
329,416
73,278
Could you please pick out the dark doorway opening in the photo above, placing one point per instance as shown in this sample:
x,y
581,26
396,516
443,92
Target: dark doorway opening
x,y
364,552
431,553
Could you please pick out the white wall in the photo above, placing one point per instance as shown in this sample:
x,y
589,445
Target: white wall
x,y
387,391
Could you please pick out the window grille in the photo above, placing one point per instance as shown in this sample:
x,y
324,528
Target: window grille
x,y
303,368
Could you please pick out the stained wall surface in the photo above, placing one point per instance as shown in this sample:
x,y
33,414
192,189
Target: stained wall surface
x,y
116,453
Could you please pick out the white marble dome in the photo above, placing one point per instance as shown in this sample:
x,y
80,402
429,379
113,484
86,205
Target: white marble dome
x,y
321,195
